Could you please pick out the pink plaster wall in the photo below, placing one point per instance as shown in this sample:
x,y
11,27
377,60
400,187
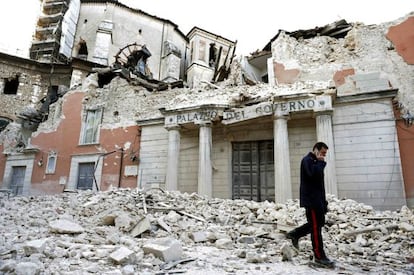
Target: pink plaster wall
x,y
402,36
284,76
64,140
339,76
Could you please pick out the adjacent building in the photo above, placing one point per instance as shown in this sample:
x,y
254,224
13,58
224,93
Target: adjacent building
x,y
56,139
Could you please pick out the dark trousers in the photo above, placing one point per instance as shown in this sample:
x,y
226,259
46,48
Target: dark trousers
x,y
316,220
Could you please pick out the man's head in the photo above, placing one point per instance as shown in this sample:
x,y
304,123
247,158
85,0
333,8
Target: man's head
x,y
320,148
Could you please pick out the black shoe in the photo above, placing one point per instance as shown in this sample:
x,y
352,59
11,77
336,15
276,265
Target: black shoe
x,y
295,241
325,262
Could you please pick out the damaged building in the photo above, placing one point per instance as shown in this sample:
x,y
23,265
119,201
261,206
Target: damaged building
x,y
142,105
72,40
343,83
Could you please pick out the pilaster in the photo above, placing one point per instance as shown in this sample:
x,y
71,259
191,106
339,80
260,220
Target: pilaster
x,y
205,167
174,139
324,133
283,186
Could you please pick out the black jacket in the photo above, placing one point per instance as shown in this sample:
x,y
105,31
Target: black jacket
x,y
312,187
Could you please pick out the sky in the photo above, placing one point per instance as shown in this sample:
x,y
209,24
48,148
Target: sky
x,y
251,23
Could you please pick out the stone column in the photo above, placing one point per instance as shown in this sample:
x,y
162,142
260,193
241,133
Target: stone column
x,y
205,167
2,84
324,133
283,186
171,180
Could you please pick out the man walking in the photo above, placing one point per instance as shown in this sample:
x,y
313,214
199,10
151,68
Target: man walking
x,y
313,199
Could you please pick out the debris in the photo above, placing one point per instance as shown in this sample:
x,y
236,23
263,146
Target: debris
x,y
369,229
192,216
175,263
225,239
167,249
65,227
141,227
122,255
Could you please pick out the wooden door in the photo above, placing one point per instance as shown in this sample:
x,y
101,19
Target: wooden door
x,y
253,170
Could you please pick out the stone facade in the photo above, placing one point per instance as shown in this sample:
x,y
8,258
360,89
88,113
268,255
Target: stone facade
x,y
32,82
364,162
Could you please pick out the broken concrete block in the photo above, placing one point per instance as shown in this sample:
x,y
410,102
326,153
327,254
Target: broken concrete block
x,y
404,226
109,219
27,268
246,240
200,236
123,256
124,222
172,217
224,243
35,246
163,225
65,227
287,252
167,249
128,270
360,240
247,230
142,226
253,257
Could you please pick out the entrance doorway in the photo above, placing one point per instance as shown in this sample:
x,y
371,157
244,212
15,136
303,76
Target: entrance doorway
x,y
17,181
253,170
86,176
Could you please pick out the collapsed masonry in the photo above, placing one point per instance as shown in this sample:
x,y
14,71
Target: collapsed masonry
x,y
337,45
131,64
131,231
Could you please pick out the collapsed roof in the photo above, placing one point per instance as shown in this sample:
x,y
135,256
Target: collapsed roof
x,y
131,64
337,29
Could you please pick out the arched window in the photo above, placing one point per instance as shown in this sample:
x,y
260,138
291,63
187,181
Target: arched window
x,y
51,162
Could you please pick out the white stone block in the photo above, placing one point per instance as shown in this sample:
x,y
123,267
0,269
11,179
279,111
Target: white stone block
x,y
167,249
35,246
122,255
142,226
199,236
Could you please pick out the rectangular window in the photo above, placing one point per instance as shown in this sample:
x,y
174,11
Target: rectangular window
x,y
11,85
192,51
90,128
223,57
202,50
51,163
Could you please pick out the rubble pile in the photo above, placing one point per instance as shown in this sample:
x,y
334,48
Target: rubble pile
x,y
131,231
133,102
